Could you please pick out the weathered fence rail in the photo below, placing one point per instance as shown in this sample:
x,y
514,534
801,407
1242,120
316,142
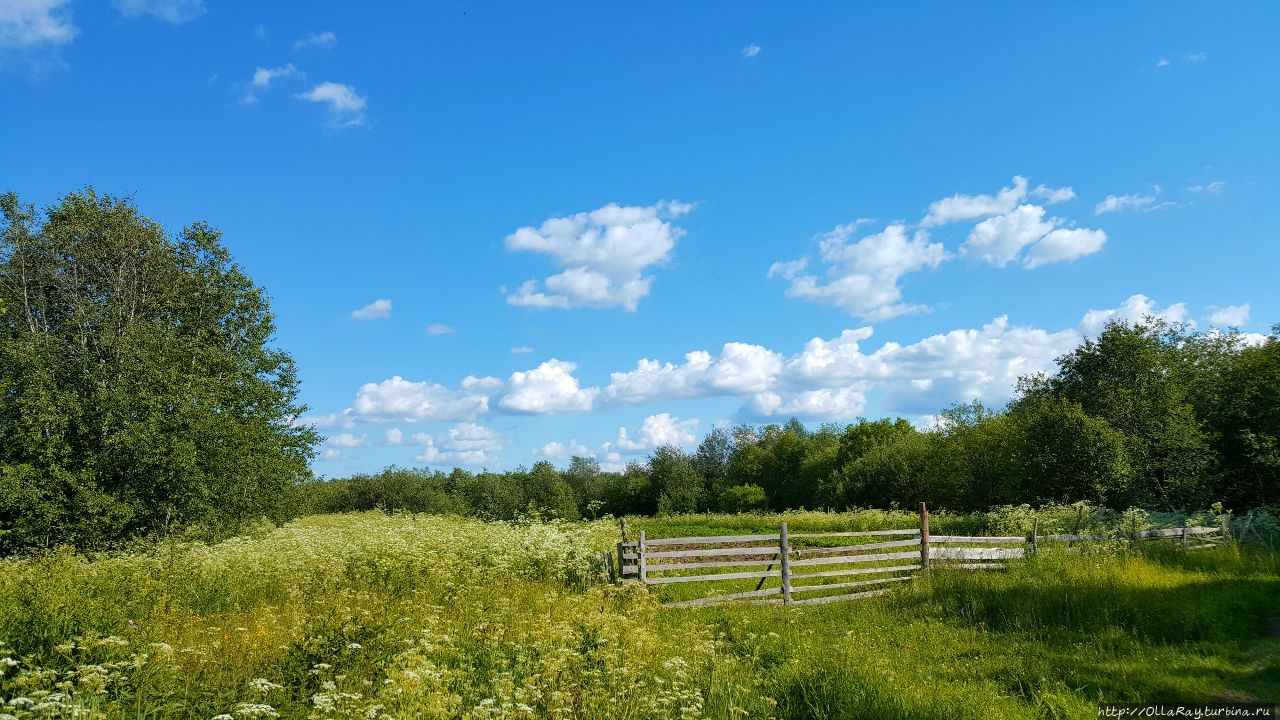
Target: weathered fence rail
x,y
861,561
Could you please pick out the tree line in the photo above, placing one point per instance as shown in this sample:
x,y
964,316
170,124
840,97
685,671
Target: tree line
x,y
141,394
1149,414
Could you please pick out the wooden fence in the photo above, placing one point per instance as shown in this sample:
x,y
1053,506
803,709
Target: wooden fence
x,y
861,563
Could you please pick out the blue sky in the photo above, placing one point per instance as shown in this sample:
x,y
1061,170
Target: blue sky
x,y
497,233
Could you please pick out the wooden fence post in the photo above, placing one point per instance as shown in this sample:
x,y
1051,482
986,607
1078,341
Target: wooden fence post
x,y
1226,528
644,571
1035,529
924,537
622,522
784,548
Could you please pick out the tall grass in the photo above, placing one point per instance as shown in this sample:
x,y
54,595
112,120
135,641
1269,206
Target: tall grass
x,y
377,616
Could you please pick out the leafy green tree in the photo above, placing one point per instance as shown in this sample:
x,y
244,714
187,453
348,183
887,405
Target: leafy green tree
x,y
856,441
712,460
548,492
142,391
1246,418
1141,379
743,498
1064,455
584,476
678,485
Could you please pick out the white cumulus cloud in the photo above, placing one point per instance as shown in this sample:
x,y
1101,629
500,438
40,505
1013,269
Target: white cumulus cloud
x,y
1231,316
740,368
1064,245
605,255
826,404
346,106
440,329
751,51
1133,309
548,388
563,451
970,207
655,431
1000,239
1053,196
400,400
862,277
462,444
377,310
347,440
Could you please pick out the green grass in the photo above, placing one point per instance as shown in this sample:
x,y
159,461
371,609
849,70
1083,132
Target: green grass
x,y
369,615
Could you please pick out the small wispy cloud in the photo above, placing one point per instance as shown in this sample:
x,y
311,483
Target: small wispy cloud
x,y
346,106
1133,202
1116,203
170,11
751,51
521,350
1198,57
1214,188
379,309
1162,62
439,329
323,40
35,24
263,77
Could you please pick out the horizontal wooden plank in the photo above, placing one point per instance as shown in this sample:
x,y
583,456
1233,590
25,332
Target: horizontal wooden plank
x,y
630,556
708,578
655,567
1203,530
854,583
975,539
855,549
709,540
853,571
700,602
975,566
944,553
710,552
630,569
860,533
838,598
1202,547
1072,538
1165,533
843,559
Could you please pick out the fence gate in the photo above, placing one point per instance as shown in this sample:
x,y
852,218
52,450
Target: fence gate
x,y
860,563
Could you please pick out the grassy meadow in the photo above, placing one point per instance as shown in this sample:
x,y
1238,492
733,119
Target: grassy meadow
x,y
399,616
